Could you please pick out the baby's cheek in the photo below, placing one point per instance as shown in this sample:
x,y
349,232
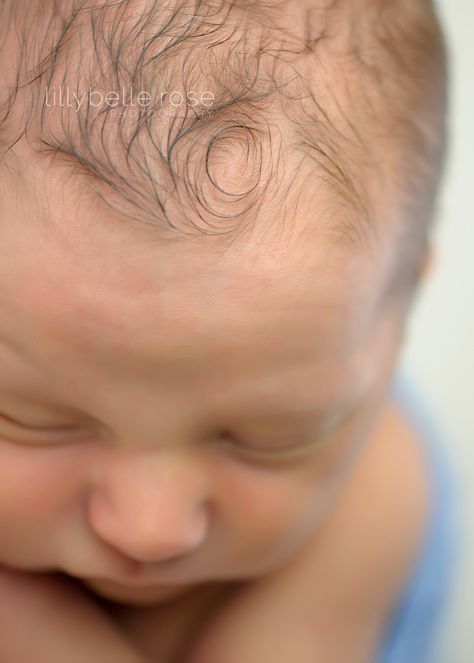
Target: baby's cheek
x,y
269,512
36,486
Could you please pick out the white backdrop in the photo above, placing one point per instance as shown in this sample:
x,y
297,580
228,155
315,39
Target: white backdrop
x,y
439,354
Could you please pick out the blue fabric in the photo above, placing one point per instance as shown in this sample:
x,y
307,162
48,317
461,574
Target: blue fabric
x,y
412,633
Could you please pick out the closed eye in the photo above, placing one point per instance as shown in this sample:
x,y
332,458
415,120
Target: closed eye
x,y
44,435
55,428
277,450
287,448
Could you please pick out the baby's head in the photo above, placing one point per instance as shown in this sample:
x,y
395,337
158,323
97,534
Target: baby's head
x,y
213,216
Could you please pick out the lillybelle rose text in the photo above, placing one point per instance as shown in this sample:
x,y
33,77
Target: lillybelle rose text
x,y
126,98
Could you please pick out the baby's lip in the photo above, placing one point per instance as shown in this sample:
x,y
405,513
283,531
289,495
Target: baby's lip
x,y
146,594
123,571
140,578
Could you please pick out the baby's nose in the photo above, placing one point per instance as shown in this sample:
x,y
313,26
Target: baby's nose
x,y
151,509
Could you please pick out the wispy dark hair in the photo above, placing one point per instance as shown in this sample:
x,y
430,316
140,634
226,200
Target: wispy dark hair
x,y
209,169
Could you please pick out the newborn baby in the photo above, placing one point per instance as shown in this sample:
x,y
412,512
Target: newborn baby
x,y
213,219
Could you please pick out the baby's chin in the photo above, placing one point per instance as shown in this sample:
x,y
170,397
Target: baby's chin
x,y
135,596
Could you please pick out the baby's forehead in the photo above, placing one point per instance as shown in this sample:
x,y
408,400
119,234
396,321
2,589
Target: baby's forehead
x,y
114,278
109,306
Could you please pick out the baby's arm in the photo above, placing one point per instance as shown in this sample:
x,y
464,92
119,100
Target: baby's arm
x,y
301,613
48,618
290,619
284,621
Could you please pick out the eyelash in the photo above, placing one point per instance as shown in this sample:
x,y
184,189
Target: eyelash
x,y
287,452
34,432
